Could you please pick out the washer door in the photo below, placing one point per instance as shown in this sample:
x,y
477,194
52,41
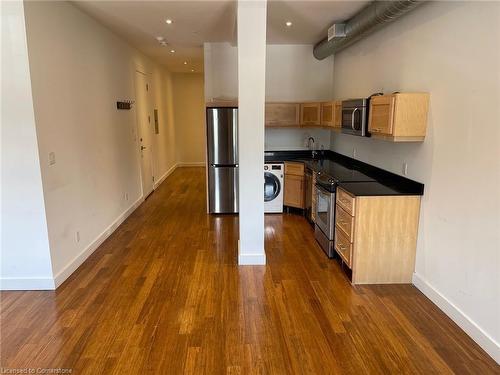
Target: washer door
x,y
272,186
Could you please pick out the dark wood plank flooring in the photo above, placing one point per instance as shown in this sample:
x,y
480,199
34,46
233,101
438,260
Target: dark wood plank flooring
x,y
164,295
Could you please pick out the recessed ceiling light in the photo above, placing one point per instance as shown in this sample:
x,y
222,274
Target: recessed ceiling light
x,y
192,70
172,50
159,38
169,21
288,23
163,43
185,62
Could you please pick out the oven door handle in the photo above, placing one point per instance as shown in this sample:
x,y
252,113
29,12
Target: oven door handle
x,y
352,118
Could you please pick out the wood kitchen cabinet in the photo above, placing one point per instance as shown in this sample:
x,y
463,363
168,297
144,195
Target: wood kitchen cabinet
x,y
282,114
294,194
376,236
331,113
328,114
338,115
400,117
310,114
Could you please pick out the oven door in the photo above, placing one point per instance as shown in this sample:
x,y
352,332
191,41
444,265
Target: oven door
x,y
325,214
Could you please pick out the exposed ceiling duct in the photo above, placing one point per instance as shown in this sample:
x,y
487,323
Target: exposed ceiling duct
x,y
366,21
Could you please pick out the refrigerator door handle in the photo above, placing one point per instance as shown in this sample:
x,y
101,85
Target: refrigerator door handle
x,y
224,165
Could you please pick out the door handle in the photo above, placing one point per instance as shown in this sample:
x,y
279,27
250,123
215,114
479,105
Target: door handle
x,y
143,148
352,118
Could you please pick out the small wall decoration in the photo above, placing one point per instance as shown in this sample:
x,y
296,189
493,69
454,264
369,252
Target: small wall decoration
x,y
125,104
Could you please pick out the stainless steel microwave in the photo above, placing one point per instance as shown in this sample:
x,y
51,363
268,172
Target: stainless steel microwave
x,y
355,117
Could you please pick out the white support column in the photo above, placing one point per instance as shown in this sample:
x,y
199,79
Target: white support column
x,y
251,97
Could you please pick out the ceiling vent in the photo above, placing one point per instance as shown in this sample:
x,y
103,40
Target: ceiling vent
x,y
337,30
369,19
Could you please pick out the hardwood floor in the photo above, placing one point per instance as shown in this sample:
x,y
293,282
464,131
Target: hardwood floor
x,y
164,295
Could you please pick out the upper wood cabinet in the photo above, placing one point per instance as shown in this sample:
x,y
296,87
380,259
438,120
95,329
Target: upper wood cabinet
x,y
282,114
338,114
400,117
331,113
328,114
310,114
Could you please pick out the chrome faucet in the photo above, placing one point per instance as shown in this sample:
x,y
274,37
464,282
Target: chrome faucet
x,y
311,148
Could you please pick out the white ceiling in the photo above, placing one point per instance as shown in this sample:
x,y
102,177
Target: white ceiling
x,y
196,22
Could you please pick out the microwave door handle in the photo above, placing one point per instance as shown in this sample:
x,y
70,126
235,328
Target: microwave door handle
x,y
352,118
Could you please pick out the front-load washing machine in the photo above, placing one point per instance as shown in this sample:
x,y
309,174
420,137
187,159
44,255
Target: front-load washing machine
x,y
273,187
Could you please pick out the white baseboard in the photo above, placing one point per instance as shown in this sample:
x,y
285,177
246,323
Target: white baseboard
x,y
82,257
28,283
483,339
194,164
251,259
165,175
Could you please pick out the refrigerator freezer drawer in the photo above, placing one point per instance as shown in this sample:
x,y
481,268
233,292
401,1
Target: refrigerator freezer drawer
x,y
223,189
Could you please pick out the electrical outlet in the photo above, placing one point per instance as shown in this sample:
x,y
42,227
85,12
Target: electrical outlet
x,y
354,152
77,236
405,168
52,158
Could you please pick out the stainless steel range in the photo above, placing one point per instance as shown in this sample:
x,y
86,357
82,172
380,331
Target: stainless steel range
x,y
326,189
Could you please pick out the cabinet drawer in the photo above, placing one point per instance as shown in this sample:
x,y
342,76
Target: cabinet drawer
x,y
343,247
296,169
344,222
345,201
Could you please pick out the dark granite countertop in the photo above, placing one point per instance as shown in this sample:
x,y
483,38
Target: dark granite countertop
x,y
354,176
374,188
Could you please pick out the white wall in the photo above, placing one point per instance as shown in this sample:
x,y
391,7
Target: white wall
x,y
189,110
221,71
450,49
25,254
292,74
79,69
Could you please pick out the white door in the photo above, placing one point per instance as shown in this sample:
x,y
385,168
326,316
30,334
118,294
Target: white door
x,y
145,131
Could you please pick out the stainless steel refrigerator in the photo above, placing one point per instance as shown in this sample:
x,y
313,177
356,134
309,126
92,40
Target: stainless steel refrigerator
x,y
222,148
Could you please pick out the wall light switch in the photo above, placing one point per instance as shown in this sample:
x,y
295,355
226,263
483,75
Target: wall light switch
x,y
52,158
77,236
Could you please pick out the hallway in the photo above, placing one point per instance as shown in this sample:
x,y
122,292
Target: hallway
x,y
165,292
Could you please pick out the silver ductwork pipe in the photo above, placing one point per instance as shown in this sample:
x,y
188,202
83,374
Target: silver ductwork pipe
x,y
369,19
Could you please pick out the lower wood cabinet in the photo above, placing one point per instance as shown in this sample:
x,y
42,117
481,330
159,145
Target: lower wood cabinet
x,y
376,236
314,201
294,194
